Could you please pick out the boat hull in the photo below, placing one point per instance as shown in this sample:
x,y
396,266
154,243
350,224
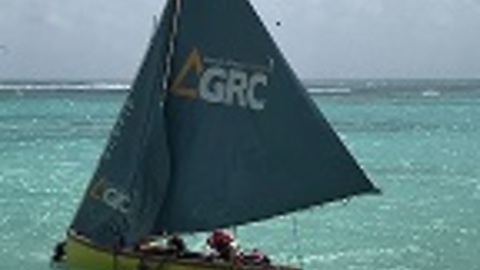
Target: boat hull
x,y
85,255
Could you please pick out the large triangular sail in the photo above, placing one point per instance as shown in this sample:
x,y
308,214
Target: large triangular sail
x,y
246,141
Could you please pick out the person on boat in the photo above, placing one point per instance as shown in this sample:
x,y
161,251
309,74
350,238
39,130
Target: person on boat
x,y
150,245
223,245
59,253
176,245
255,257
172,246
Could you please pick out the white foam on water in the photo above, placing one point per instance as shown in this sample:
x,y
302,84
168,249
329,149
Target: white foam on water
x,y
330,90
430,93
64,86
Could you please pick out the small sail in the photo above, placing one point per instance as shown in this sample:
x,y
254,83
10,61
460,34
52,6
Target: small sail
x,y
123,198
246,141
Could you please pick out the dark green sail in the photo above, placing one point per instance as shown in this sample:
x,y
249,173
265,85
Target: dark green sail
x,y
246,141
237,140
124,196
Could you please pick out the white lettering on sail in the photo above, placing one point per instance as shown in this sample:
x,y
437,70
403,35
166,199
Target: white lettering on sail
x,y
212,88
222,81
232,87
111,196
236,86
255,80
116,200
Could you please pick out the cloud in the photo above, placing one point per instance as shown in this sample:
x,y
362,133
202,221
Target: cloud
x,y
380,38
79,39
321,38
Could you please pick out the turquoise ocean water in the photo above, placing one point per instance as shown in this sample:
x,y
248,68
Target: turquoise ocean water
x,y
419,141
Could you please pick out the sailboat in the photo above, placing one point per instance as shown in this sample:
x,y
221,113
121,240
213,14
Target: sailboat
x,y
216,131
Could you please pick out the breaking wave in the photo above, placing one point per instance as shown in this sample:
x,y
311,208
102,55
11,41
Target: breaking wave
x,y
34,86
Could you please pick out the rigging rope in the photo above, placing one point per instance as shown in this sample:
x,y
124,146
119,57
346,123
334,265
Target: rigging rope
x,y
171,47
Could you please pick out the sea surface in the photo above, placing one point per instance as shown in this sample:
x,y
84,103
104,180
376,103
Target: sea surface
x,y
418,140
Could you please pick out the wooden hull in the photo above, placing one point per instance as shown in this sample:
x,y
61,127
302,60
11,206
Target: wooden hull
x,y
84,255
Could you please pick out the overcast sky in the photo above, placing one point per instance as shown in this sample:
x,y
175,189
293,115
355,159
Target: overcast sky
x,y
89,39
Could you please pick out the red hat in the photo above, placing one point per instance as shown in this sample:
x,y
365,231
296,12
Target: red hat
x,y
219,236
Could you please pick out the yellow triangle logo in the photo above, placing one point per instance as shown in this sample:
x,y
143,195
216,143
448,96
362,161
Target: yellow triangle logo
x,y
194,62
98,189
